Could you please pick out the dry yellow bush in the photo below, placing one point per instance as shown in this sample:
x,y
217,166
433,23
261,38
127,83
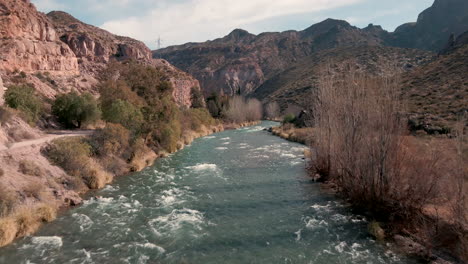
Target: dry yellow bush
x,y
46,212
26,221
8,230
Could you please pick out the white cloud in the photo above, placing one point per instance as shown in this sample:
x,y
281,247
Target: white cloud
x,y
198,20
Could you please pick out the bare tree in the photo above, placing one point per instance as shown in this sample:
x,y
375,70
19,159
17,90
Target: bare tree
x,y
272,110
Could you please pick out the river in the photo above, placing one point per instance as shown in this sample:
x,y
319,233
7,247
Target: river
x,y
239,196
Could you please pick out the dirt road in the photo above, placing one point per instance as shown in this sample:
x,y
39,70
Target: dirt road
x,y
47,138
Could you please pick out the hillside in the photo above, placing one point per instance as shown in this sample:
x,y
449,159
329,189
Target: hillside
x,y
292,88
437,93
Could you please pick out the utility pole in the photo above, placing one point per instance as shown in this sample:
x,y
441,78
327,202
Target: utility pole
x,y
159,42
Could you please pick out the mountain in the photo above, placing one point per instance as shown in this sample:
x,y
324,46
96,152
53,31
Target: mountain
x,y
57,53
240,62
434,26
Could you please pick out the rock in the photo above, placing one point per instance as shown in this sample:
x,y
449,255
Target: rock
x,y
410,247
30,43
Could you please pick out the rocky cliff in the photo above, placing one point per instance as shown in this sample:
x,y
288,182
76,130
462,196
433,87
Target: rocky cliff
x,y
30,43
95,47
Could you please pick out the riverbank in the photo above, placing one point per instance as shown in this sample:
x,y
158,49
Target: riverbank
x,y
448,240
33,189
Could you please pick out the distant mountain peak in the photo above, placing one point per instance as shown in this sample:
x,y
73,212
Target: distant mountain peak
x,y
239,34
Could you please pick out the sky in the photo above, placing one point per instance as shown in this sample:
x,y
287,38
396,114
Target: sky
x,y
181,21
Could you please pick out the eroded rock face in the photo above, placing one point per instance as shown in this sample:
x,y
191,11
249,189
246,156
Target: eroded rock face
x,y
95,47
30,41
182,82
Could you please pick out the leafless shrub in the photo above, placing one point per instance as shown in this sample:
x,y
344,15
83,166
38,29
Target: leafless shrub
x,y
360,142
241,110
272,110
362,145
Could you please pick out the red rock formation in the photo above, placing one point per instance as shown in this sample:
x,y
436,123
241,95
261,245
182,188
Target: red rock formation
x,y
182,82
30,41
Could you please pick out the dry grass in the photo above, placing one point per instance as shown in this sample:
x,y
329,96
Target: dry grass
x,y
27,221
30,168
8,200
46,212
300,135
8,230
35,189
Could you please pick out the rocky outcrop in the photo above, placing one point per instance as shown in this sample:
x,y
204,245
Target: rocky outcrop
x,y
95,47
182,82
29,41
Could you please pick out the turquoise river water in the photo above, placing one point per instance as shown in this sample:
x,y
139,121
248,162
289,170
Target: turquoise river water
x,y
239,196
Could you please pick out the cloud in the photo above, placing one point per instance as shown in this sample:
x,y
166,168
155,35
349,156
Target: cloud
x,y
178,21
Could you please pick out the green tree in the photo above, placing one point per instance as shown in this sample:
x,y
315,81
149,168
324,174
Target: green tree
x,y
73,109
124,113
23,98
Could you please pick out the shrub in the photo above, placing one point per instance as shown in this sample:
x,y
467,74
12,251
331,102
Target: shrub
x,y
26,221
7,200
196,97
8,230
194,119
272,110
124,113
2,172
73,110
72,154
46,212
169,135
30,168
289,119
240,110
24,99
112,140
